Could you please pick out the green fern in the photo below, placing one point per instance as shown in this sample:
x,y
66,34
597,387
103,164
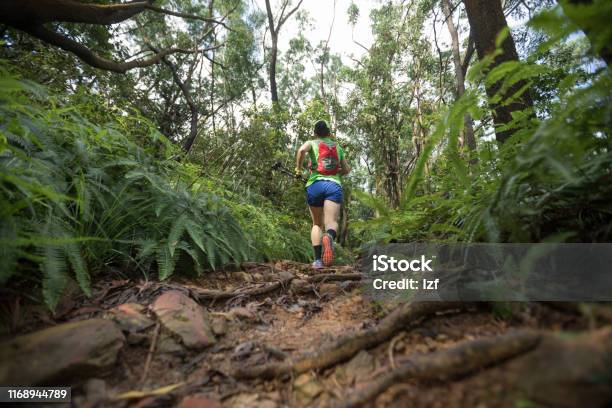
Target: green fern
x,y
165,262
73,252
55,274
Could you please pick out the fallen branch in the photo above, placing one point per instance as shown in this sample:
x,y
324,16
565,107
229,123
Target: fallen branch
x,y
145,372
306,268
349,345
334,277
274,351
463,359
206,294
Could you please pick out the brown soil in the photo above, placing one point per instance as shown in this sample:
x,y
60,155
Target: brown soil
x,y
287,324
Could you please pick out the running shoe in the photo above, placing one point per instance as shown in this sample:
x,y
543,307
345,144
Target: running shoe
x,y
328,250
318,264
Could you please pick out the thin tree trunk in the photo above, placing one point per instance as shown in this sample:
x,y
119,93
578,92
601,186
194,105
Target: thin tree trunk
x,y
252,88
273,57
193,109
468,133
274,31
212,91
273,54
487,20
324,60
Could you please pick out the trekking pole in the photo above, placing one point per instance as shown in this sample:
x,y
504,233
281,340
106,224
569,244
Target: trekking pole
x,y
278,166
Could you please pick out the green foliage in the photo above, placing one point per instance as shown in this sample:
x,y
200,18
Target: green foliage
x,y
557,183
353,13
313,111
387,110
77,197
550,182
87,182
272,234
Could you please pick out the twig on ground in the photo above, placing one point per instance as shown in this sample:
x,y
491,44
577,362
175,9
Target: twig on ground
x,y
392,347
274,351
206,294
334,277
145,372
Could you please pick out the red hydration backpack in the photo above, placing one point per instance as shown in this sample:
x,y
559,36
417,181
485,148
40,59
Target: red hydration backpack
x,y
328,162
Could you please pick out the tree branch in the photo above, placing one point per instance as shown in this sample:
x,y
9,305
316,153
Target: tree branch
x,y
190,102
20,13
435,35
91,58
214,61
468,54
361,45
270,17
452,10
188,16
281,14
293,10
35,12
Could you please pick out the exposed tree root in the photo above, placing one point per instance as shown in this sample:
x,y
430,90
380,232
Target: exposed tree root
x,y
349,345
596,311
566,370
306,268
284,279
460,360
335,277
205,294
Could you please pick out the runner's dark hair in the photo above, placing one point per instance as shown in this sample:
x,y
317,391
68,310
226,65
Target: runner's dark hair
x,y
321,129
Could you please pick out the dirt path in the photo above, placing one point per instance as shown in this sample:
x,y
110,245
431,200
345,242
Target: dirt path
x,y
287,336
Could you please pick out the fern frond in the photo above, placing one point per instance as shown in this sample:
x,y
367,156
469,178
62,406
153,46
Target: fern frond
x,y
55,274
165,262
73,252
176,231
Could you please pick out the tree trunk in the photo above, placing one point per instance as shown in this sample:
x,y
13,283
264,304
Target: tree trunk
x,y
273,57
487,20
274,30
393,178
193,109
468,133
273,54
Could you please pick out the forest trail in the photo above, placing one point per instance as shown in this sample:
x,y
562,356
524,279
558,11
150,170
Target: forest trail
x,y
138,144
287,335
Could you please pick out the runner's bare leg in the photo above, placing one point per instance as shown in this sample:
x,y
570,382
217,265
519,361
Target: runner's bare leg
x,y
316,213
331,210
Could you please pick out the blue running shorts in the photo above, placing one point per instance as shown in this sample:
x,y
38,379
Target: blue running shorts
x,y
322,190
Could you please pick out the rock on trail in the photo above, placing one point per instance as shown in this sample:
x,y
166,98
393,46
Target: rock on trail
x,y
184,318
67,351
130,318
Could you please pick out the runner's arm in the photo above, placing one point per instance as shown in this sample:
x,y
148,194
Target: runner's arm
x,y
299,157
